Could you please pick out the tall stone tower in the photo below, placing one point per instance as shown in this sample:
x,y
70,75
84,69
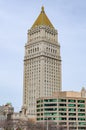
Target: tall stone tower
x,y
42,63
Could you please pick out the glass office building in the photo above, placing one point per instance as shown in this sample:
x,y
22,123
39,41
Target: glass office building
x,y
67,109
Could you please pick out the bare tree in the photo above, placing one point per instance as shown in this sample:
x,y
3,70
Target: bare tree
x,y
21,124
3,123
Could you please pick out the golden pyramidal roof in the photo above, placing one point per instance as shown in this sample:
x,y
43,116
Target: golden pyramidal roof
x,y
42,20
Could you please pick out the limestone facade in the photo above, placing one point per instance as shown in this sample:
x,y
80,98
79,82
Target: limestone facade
x,y
42,64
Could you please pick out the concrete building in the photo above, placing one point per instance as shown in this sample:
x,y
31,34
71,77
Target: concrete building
x,y
11,120
42,63
5,111
5,114
67,109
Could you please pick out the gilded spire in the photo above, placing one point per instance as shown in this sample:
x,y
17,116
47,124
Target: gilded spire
x,y
42,9
42,19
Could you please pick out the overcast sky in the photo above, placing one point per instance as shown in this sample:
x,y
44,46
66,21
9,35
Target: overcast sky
x,y
16,17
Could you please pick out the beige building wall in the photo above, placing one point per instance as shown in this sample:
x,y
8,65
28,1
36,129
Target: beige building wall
x,y
66,109
42,63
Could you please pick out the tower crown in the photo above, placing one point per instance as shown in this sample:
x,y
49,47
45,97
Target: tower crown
x,y
42,20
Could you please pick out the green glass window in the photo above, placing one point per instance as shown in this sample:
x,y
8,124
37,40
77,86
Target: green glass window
x,y
72,109
81,105
38,119
41,114
50,100
82,123
38,110
62,104
62,109
50,109
72,118
62,118
38,105
53,100
47,105
71,105
38,101
71,100
63,114
81,114
47,114
72,114
61,100
51,114
81,101
50,118
81,119
81,110
38,114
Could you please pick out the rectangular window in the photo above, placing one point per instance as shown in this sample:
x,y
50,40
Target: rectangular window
x,y
81,101
81,119
71,105
71,109
50,100
62,114
81,110
62,118
81,114
62,109
71,100
38,114
81,105
38,119
71,118
72,114
38,105
82,123
51,114
62,100
50,109
62,104
38,101
38,110
47,105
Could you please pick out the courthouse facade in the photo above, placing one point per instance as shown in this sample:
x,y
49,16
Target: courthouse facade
x,y
42,63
